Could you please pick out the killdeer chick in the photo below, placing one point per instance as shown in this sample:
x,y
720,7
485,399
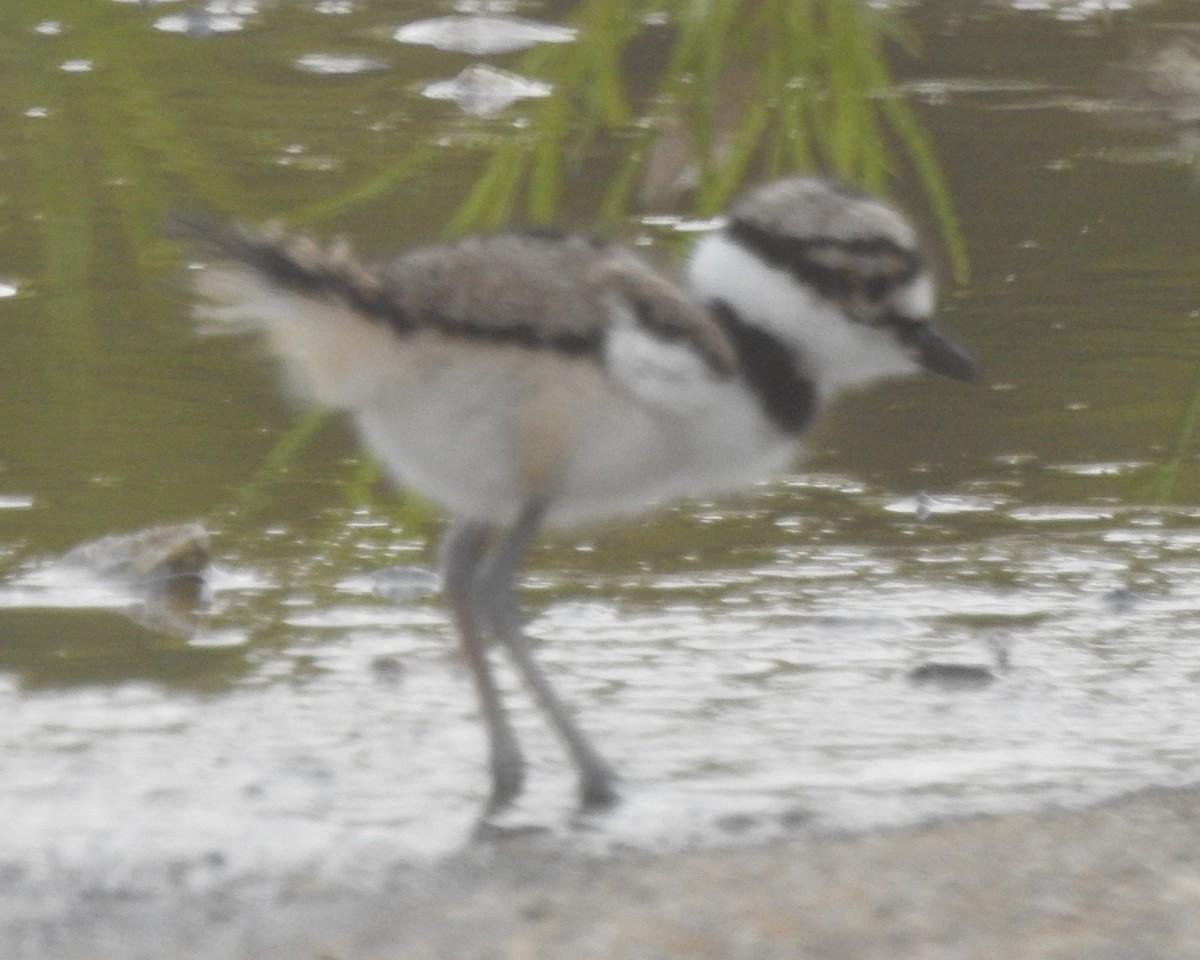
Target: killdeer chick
x,y
530,379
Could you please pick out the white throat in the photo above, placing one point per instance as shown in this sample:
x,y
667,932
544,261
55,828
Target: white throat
x,y
833,350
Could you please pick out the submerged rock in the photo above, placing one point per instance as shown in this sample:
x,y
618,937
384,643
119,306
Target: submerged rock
x,y
953,675
962,676
148,558
162,569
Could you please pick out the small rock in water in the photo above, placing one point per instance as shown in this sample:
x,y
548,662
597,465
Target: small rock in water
x,y
147,558
962,676
952,675
399,583
387,667
484,90
1122,600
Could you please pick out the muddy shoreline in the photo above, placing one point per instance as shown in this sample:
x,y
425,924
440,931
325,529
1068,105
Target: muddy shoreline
x,y
1119,880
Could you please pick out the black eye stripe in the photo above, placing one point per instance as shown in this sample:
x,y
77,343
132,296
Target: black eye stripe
x,y
837,269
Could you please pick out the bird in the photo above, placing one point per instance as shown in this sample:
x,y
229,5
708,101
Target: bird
x,y
531,379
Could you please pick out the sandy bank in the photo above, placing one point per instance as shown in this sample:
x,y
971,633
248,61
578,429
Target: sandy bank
x,y
1116,882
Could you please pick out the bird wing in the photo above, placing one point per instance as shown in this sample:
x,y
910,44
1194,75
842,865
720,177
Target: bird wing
x,y
570,295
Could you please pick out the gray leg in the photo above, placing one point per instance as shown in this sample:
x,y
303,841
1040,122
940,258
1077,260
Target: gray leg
x,y
462,551
499,608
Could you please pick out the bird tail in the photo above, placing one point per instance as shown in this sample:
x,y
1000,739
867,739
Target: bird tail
x,y
327,315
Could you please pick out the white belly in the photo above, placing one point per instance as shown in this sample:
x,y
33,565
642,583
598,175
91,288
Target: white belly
x,y
484,431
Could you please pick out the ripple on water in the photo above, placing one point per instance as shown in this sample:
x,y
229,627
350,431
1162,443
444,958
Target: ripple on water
x,y
735,703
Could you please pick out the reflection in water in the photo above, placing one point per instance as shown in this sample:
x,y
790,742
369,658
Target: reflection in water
x,y
1165,83
772,693
483,90
200,22
331,64
482,34
1075,10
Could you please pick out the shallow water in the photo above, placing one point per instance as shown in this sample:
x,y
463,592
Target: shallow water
x,y
745,664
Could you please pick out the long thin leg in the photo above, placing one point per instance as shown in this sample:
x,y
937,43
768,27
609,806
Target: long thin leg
x,y
462,550
500,606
